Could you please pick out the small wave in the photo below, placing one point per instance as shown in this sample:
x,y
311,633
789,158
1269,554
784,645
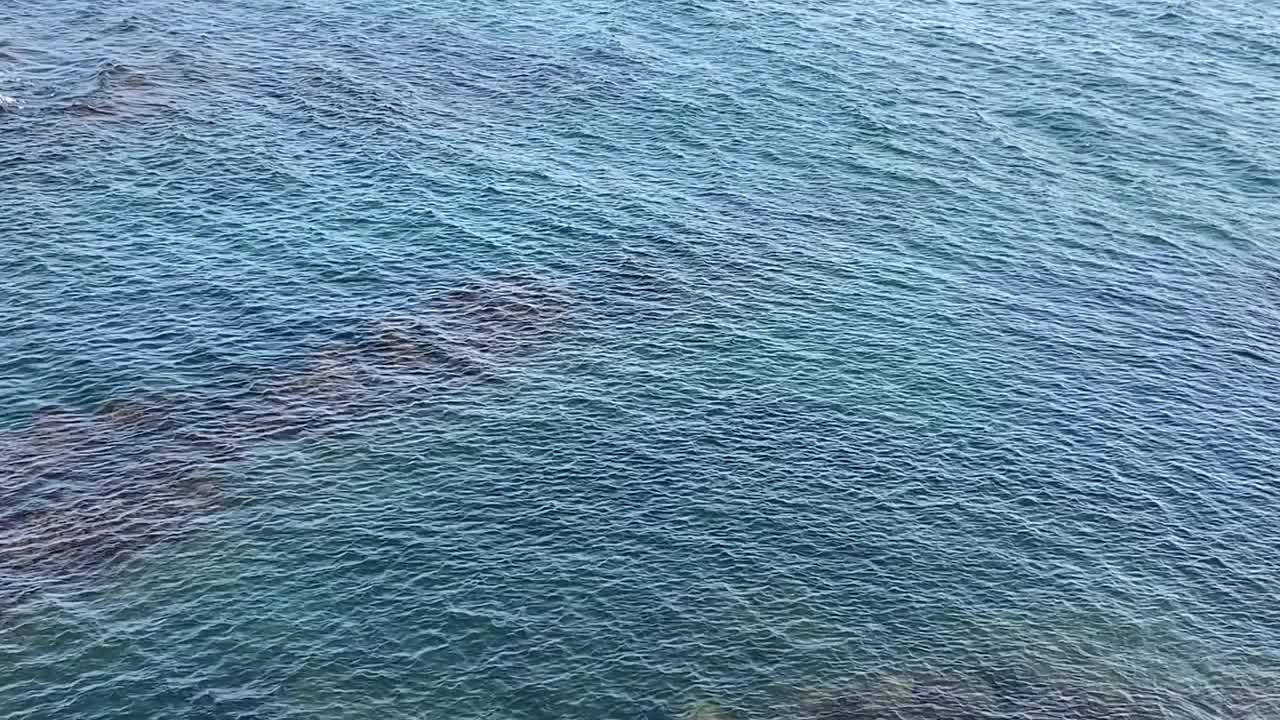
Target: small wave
x,y
113,75
88,109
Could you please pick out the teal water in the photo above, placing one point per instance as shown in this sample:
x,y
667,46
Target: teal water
x,y
577,359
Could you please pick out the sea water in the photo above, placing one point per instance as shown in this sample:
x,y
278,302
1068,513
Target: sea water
x,y
584,359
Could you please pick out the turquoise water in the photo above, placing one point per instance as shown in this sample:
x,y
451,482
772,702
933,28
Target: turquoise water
x,y
580,359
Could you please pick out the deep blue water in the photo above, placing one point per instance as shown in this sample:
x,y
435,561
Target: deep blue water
x,y
581,359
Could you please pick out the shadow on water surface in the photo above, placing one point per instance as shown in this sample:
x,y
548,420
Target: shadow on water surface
x,y
103,88
83,490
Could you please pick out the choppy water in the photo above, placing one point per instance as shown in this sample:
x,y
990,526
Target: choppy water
x,y
581,359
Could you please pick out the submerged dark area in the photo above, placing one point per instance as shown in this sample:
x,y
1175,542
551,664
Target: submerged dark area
x,y
86,488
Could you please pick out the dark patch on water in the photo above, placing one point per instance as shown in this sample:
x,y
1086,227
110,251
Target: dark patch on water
x,y
1252,355
87,109
114,90
141,468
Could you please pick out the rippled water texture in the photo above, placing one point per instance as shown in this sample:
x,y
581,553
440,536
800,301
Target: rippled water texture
x,y
667,360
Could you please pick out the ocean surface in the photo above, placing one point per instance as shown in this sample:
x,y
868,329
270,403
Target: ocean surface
x,y
705,359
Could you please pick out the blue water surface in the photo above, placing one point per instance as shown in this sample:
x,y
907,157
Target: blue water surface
x,y
733,360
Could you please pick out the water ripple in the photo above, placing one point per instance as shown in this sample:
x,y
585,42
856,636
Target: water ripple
x,y
701,360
